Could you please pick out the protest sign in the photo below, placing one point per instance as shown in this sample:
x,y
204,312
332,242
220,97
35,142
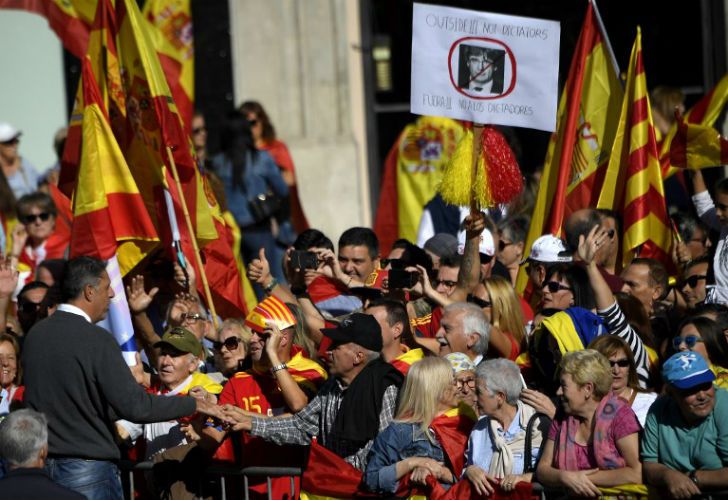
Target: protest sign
x,y
483,67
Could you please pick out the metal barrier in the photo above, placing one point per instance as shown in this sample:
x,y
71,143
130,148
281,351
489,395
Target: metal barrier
x,y
220,472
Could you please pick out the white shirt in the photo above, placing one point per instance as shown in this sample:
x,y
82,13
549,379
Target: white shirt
x,y
706,211
74,310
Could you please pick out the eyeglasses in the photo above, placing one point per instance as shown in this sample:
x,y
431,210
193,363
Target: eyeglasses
x,y
198,130
692,281
478,301
28,307
231,343
555,286
502,245
689,341
253,123
622,363
192,317
447,283
31,218
460,383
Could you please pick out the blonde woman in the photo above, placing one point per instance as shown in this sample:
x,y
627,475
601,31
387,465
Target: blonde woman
x,y
594,441
500,305
409,445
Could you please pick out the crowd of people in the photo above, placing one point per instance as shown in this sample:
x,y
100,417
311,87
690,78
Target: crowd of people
x,y
420,370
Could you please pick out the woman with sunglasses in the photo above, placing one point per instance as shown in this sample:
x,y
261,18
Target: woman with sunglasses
x,y
625,383
500,305
35,238
253,188
231,347
567,285
705,337
264,134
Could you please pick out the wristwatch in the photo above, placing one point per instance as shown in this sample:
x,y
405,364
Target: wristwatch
x,y
270,286
278,368
693,475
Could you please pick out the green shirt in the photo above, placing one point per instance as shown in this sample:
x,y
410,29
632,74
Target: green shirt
x,y
669,440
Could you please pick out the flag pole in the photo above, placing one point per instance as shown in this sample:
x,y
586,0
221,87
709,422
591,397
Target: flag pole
x,y
191,230
477,137
607,43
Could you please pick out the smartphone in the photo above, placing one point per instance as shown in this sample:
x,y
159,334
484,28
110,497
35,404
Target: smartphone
x,y
301,259
399,278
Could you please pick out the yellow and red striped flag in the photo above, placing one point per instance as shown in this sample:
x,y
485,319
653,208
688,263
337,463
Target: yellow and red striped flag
x,y
586,123
633,181
107,206
171,31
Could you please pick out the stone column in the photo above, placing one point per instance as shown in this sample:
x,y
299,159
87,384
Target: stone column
x,y
302,61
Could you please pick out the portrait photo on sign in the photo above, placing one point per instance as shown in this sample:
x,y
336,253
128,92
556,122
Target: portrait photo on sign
x,y
480,70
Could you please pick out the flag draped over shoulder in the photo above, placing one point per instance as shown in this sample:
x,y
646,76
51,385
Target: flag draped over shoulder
x,y
171,32
586,124
412,171
633,181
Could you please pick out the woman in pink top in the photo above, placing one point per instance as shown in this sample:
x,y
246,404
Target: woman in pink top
x,y
594,441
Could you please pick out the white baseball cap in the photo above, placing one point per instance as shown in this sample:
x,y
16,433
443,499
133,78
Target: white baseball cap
x,y
487,245
8,132
549,249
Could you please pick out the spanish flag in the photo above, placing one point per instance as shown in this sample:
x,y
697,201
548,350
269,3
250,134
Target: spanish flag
x,y
586,125
633,181
107,206
697,146
171,31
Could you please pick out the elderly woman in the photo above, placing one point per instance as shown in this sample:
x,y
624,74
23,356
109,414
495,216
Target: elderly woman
x,y
408,445
594,442
231,347
464,372
496,448
625,382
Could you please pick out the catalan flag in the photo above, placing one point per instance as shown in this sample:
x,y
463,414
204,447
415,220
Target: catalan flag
x,y
633,181
171,31
270,309
586,124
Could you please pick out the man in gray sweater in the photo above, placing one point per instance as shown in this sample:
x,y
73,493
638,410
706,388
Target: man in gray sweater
x,y
76,376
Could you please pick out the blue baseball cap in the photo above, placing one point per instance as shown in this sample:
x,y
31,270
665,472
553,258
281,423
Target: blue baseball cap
x,y
685,370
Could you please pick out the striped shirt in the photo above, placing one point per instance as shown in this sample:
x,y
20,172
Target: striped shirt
x,y
317,420
617,324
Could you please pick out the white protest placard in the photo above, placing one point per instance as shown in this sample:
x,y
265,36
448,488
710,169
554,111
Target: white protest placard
x,y
485,68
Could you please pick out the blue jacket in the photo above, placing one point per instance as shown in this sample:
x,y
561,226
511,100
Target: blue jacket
x,y
397,442
261,176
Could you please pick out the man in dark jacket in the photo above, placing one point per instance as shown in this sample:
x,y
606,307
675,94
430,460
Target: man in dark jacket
x,y
76,376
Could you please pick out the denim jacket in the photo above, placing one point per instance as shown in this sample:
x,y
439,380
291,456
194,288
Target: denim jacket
x,y
261,175
398,441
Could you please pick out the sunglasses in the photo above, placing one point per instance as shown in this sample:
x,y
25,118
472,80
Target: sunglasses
x,y
199,130
692,281
15,140
447,283
689,341
485,258
192,317
28,307
252,123
622,363
479,302
502,245
231,343
555,286
30,218
395,263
